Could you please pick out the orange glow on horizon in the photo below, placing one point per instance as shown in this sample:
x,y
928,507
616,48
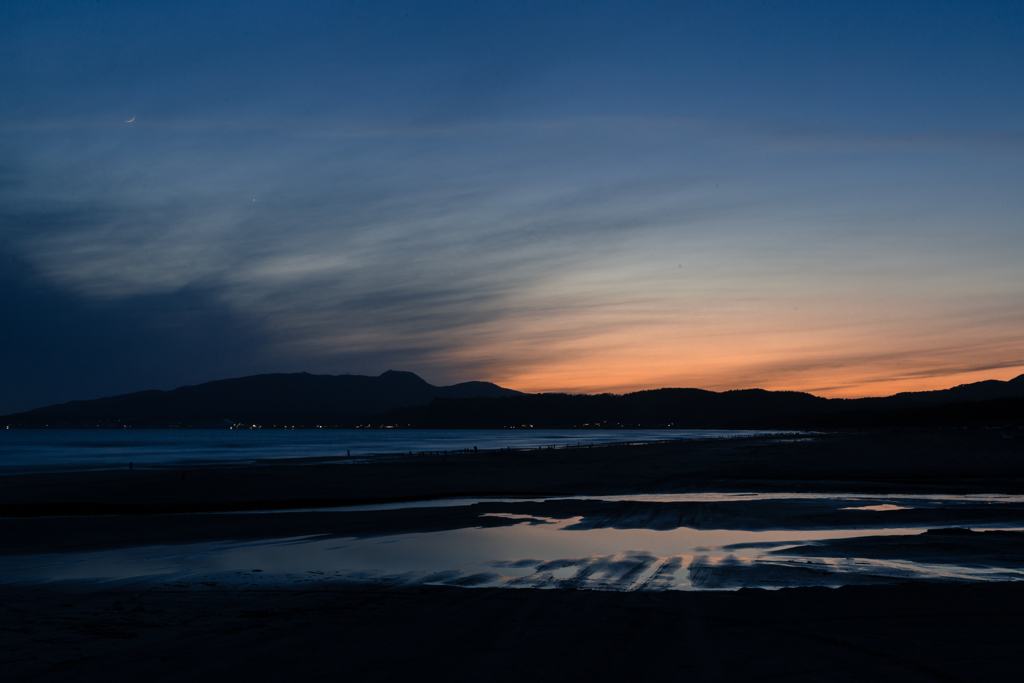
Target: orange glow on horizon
x,y
823,354
535,383
609,331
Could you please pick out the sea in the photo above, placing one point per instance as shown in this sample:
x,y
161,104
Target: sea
x,y
48,450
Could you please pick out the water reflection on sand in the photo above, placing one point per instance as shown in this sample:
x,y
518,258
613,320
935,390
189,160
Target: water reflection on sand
x,y
537,552
905,502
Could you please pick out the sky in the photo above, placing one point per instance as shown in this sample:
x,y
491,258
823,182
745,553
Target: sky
x,y
574,196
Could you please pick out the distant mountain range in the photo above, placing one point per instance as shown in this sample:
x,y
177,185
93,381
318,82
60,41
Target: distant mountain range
x,y
276,398
403,399
980,402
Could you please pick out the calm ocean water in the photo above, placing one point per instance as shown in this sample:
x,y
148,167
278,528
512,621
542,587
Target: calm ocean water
x,y
55,449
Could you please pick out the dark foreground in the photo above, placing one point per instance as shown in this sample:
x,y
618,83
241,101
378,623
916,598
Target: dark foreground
x,y
877,461
205,631
907,633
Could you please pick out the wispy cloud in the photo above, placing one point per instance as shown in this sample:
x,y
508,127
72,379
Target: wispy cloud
x,y
618,268
547,197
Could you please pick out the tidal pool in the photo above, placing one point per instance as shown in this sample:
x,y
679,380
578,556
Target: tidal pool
x,y
536,552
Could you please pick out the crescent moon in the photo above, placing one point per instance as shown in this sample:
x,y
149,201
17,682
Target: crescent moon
x,y
130,120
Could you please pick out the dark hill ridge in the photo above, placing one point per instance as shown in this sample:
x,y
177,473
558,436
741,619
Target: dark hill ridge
x,y
404,399
986,390
738,409
275,396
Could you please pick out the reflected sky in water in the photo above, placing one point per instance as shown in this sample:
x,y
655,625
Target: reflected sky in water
x,y
538,553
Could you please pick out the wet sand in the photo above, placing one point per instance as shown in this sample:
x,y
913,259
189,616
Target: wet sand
x,y
882,633
79,533
202,630
937,546
74,511
883,461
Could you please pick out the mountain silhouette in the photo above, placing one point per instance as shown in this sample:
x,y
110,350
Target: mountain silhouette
x,y
403,399
986,390
738,409
262,397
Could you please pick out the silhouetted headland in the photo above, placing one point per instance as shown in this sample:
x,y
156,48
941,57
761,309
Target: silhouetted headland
x,y
274,399
402,399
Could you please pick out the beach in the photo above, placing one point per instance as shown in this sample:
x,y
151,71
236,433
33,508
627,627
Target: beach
x,y
884,633
958,490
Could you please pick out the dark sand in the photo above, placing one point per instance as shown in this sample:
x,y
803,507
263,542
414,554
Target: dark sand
x,y
882,633
905,632
938,546
904,461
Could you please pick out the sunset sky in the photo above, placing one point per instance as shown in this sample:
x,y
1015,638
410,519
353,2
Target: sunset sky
x,y
592,196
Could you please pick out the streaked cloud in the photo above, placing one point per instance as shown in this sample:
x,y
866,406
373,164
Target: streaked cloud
x,y
584,214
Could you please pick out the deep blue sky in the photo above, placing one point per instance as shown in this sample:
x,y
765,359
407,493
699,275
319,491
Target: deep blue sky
x,y
554,196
